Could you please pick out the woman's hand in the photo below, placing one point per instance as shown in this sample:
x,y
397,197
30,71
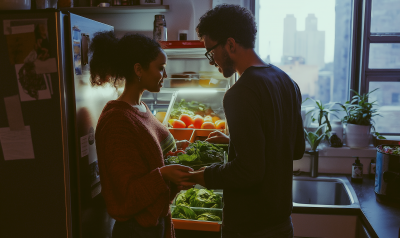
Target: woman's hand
x,y
178,174
218,137
182,144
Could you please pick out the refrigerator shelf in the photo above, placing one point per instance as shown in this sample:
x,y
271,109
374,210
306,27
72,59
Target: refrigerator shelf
x,y
118,9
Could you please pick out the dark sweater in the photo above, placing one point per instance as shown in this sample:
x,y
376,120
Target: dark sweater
x,y
263,112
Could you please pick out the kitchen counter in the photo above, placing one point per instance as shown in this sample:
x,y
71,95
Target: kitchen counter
x,y
381,220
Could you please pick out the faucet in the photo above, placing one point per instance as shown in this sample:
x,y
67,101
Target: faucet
x,y
313,162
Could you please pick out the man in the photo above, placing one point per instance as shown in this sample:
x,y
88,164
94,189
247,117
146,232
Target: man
x,y
266,133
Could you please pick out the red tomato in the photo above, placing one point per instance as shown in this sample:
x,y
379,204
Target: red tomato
x,y
170,153
191,126
178,124
198,121
188,120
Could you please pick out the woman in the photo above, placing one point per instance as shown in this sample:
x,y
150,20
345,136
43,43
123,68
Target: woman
x,y
130,141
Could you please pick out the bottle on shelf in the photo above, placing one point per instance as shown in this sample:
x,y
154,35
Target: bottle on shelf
x,y
160,28
357,171
372,168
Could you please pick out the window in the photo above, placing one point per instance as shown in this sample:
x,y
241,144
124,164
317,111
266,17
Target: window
x,y
311,41
387,97
381,61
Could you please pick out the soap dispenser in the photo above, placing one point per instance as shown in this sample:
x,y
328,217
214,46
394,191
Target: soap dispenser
x,y
357,171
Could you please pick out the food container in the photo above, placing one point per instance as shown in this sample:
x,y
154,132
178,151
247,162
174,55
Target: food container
x,y
184,80
197,102
195,80
387,175
199,225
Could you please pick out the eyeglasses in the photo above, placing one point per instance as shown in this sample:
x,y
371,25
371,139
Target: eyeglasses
x,y
210,55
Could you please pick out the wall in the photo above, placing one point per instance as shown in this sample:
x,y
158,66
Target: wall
x,y
337,160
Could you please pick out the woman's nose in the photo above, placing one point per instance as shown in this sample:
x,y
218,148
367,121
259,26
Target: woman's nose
x,y
165,74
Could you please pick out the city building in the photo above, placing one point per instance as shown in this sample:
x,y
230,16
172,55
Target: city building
x,y
309,44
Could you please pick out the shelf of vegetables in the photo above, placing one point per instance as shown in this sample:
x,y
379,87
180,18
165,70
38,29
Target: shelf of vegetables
x,y
197,209
195,115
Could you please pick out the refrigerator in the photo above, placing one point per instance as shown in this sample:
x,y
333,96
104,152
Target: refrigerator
x,y
49,183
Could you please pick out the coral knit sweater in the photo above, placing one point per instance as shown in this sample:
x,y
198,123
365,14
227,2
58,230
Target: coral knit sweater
x,y
129,149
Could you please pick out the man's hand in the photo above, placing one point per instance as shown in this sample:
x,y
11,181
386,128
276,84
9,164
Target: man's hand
x,y
178,174
218,137
197,177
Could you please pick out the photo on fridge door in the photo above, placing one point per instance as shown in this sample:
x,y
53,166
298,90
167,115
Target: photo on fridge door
x,y
29,50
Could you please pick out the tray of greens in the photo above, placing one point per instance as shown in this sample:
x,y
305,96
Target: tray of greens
x,y
197,155
199,198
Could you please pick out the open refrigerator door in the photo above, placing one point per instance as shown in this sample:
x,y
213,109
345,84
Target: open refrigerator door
x,y
195,110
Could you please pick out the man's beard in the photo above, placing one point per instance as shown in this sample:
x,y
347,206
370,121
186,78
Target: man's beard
x,y
228,66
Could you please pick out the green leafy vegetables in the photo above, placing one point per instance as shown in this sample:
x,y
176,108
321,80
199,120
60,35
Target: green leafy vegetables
x,y
190,108
198,153
197,198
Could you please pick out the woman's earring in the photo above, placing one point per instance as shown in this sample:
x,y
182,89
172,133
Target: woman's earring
x,y
139,79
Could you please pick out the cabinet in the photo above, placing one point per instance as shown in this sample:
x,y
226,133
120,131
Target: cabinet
x,y
327,226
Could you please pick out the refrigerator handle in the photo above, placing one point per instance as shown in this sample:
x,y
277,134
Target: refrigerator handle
x,y
85,48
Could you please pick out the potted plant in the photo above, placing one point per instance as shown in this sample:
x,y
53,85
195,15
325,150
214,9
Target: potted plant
x,y
321,113
314,138
359,114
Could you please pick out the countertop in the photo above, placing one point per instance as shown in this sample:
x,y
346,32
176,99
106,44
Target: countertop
x,y
381,220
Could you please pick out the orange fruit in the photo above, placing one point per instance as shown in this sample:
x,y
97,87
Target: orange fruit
x,y
197,122
191,126
214,119
208,125
220,124
186,119
208,119
178,124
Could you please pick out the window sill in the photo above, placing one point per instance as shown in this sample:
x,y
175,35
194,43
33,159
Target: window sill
x,y
345,151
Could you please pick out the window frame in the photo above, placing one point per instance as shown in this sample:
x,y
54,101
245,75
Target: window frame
x,y
359,74
368,75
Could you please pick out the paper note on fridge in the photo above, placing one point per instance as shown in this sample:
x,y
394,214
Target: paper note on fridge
x,y
16,144
46,66
84,146
22,29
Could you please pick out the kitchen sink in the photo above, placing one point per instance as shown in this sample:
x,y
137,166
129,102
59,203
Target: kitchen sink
x,y
326,191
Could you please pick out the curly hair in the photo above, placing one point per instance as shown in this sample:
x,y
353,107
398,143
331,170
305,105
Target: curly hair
x,y
113,59
228,20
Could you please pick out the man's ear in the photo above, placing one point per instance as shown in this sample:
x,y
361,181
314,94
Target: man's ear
x,y
231,45
138,69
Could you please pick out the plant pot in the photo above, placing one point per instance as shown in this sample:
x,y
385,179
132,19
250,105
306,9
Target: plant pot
x,y
357,136
313,162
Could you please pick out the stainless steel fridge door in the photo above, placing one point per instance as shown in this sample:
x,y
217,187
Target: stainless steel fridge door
x,y
89,102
